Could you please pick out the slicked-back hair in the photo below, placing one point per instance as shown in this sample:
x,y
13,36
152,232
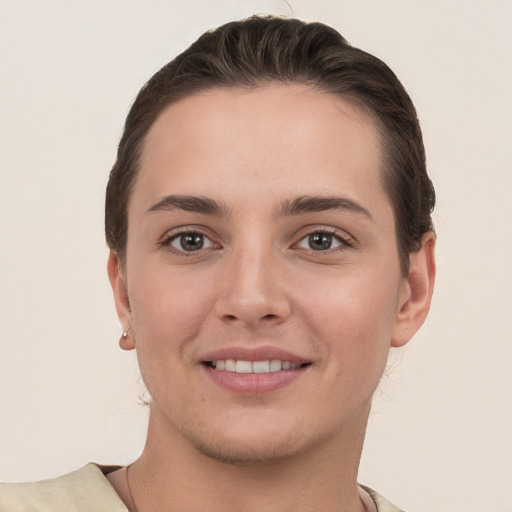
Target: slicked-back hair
x,y
261,50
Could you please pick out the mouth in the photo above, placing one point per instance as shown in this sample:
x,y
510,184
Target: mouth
x,y
254,370
245,366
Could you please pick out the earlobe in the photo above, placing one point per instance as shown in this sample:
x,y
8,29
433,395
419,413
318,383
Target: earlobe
x,y
122,301
417,291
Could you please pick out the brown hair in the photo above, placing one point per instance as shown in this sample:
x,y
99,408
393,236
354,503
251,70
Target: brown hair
x,y
259,50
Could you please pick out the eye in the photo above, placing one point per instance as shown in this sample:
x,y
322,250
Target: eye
x,y
322,241
190,241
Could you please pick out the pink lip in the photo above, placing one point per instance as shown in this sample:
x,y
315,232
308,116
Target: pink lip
x,y
263,353
253,383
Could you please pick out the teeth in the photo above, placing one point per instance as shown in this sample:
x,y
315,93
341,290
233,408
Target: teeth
x,y
241,366
275,365
261,366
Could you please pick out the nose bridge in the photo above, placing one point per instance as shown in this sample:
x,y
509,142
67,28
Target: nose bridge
x,y
252,289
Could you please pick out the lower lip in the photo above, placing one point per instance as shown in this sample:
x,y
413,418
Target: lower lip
x,y
254,383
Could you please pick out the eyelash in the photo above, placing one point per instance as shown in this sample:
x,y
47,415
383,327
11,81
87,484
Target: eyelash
x,y
167,240
343,240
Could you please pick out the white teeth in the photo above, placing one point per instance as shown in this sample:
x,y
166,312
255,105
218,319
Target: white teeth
x,y
275,365
261,366
241,366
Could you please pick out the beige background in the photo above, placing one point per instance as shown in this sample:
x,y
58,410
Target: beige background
x,y
440,435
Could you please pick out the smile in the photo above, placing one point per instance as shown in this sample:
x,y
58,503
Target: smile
x,y
242,366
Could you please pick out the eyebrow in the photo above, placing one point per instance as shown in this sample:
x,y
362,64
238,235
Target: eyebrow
x,y
195,204
309,204
298,206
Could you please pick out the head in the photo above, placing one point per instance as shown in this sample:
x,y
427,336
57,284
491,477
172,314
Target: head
x,y
269,205
258,51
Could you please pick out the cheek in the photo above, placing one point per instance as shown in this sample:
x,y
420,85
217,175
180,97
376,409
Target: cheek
x,y
167,316
169,308
352,315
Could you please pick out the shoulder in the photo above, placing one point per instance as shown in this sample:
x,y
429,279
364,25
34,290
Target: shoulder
x,y
381,503
83,490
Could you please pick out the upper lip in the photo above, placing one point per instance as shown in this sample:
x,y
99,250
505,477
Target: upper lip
x,y
263,353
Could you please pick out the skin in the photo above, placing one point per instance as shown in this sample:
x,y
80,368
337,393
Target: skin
x,y
260,281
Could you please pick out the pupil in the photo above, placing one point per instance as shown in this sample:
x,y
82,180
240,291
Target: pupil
x,y
320,241
191,242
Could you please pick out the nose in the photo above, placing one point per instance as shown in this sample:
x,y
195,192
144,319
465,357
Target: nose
x,y
253,292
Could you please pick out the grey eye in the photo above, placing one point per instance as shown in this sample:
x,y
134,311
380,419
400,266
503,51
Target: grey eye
x,y
320,241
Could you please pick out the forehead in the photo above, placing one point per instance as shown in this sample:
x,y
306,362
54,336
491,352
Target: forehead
x,y
274,137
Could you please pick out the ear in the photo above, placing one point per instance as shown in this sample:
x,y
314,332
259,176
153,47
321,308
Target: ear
x,y
122,301
416,293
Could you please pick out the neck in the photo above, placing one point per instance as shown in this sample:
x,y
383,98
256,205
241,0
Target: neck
x,y
173,475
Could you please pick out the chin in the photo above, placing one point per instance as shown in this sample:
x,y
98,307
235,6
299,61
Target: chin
x,y
258,442
249,452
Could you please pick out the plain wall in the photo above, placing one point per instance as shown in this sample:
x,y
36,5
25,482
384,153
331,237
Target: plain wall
x,y
440,433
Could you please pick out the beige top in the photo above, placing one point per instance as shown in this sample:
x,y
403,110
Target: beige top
x,y
87,490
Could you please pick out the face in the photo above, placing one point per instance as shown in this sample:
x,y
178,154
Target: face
x,y
262,287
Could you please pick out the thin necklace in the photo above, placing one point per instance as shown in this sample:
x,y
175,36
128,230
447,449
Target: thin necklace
x,y
130,489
